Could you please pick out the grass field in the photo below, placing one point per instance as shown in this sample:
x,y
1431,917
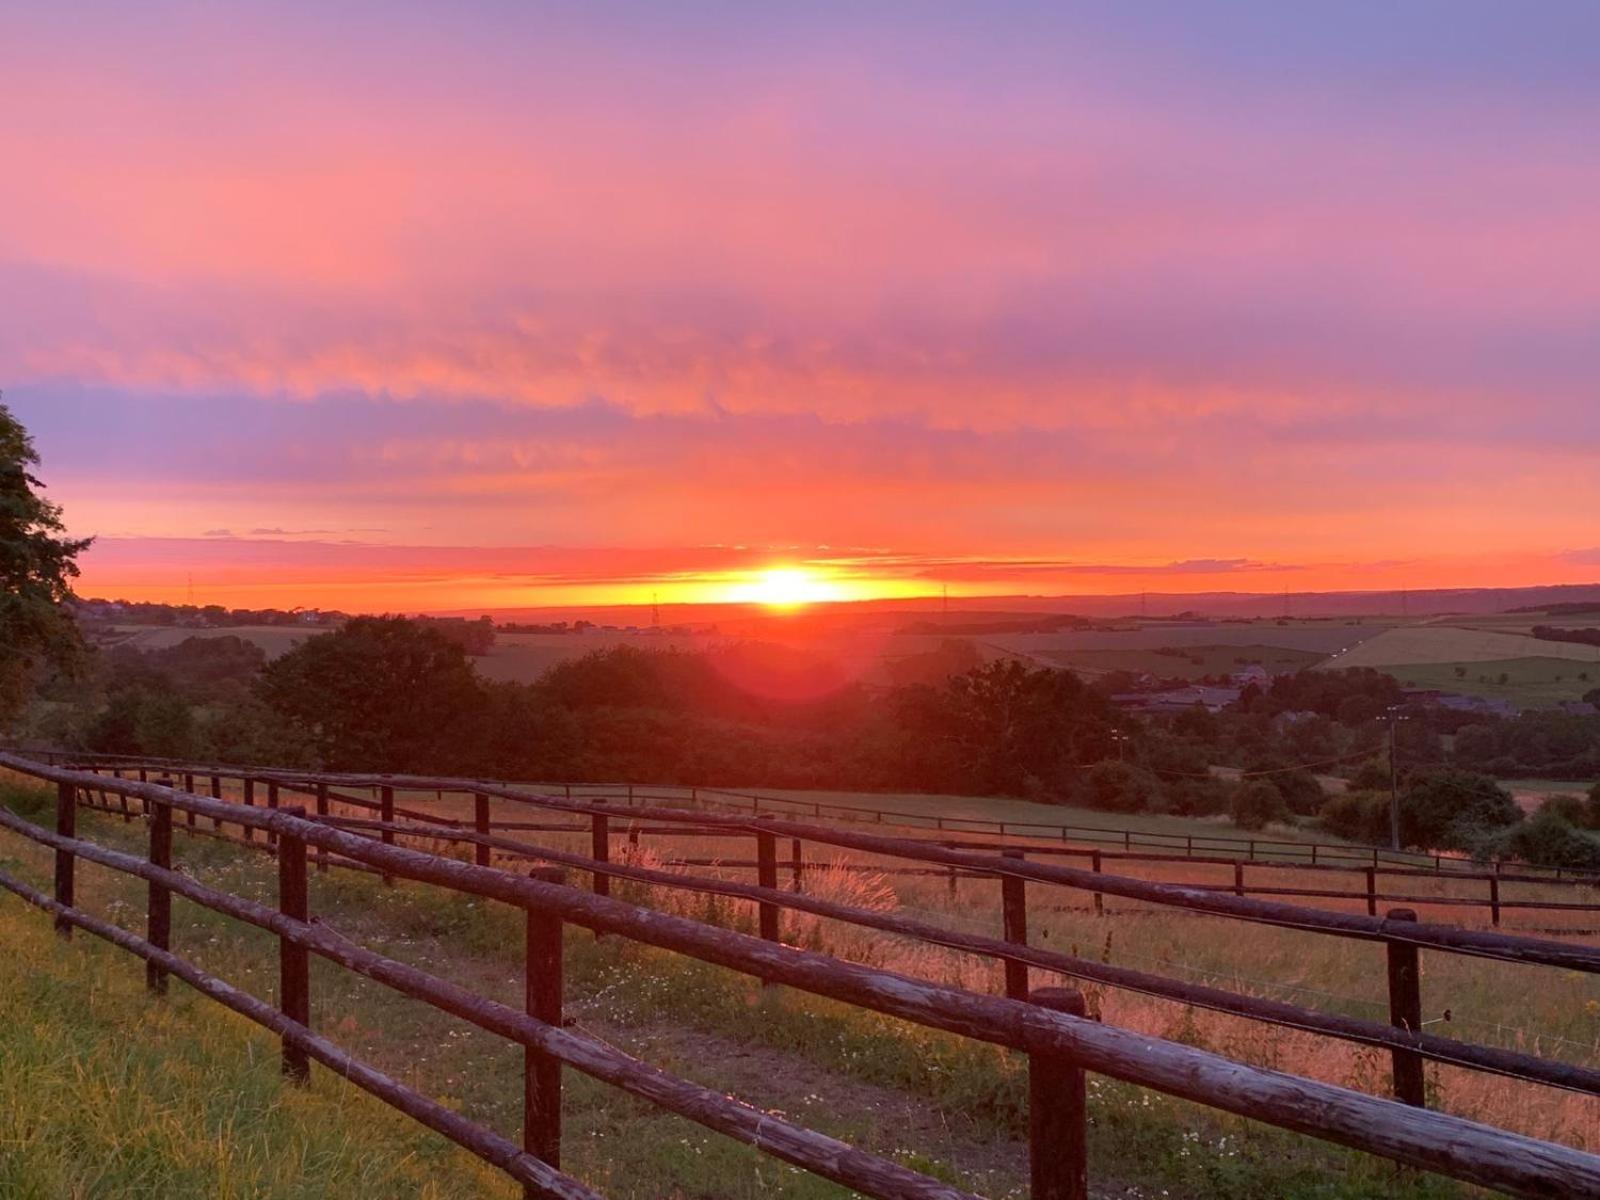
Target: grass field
x,y
523,657
1530,682
945,1105
106,1093
274,639
1190,662
1451,644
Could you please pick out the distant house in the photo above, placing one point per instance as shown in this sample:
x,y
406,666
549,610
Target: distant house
x,y
1255,673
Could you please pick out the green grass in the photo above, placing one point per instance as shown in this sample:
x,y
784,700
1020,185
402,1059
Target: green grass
x,y
1531,682
107,1092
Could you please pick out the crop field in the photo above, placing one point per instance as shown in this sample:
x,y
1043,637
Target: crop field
x,y
947,1106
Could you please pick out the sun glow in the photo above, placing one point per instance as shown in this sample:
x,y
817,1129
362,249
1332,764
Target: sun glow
x,y
786,587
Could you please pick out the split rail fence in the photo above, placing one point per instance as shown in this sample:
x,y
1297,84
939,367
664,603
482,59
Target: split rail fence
x,y
1046,1024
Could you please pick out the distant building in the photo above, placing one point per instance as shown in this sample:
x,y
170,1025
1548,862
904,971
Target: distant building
x,y
1255,673
1458,702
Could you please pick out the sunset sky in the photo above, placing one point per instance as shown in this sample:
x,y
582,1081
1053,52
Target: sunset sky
x,y
385,306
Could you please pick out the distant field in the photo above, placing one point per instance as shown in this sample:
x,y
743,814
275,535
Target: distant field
x,y
274,639
1451,644
1535,682
523,657
1192,663
1314,637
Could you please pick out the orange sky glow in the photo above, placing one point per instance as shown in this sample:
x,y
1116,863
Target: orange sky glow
x,y
398,309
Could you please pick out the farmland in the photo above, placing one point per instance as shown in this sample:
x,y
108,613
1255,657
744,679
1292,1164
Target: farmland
x,y
1446,645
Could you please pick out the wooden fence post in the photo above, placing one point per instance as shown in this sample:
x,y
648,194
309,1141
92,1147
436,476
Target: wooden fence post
x,y
767,877
189,817
127,811
799,865
386,815
1372,891
600,847
1014,918
1494,901
272,803
1238,878
481,853
1058,1113
1405,1011
216,794
158,915
541,1074
66,826
294,962
1099,897
322,811
249,802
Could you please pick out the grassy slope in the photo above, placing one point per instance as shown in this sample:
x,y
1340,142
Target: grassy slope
x,y
104,1092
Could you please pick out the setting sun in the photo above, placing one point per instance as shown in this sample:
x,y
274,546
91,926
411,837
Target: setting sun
x,y
786,587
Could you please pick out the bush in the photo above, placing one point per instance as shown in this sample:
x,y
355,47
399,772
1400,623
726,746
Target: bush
x,y
1197,797
1301,792
1371,776
1548,840
1359,816
1119,787
1255,803
1454,810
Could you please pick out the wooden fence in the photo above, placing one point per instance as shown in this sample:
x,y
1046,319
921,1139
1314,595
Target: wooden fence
x,y
1061,1045
1124,843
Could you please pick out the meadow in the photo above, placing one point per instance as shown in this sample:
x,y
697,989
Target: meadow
x,y
944,1105
1538,682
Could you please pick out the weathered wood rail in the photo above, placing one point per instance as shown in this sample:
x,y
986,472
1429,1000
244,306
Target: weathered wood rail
x,y
1057,1042
1135,844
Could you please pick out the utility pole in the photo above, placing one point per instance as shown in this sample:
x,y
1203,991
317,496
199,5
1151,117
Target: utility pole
x,y
1394,784
655,610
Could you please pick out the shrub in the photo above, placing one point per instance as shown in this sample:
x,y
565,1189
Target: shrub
x,y
1454,810
1301,792
1119,787
1548,840
1197,797
1359,816
1255,803
1371,776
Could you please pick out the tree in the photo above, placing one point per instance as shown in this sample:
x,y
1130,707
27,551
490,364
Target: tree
x,y
1255,803
37,566
1119,787
382,694
1454,810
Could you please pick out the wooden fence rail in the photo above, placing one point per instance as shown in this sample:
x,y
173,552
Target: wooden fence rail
x,y
1259,850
